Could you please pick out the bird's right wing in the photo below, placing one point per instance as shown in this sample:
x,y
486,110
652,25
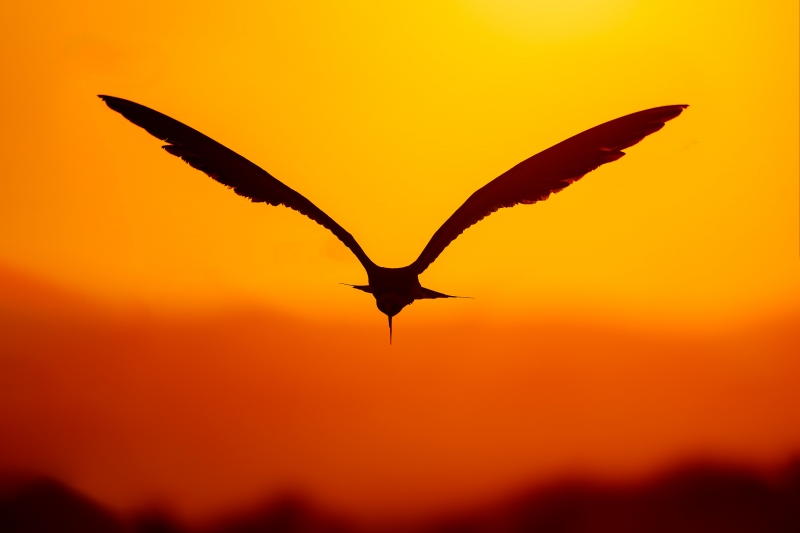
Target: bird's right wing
x,y
227,167
548,172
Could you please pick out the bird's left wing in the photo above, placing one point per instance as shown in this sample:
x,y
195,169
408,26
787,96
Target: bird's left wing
x,y
548,172
227,167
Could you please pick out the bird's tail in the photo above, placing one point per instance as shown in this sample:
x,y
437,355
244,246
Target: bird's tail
x,y
428,294
365,288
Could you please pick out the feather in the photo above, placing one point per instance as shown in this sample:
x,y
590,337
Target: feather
x,y
229,168
548,172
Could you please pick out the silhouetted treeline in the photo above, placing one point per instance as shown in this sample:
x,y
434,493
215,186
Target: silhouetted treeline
x,y
700,499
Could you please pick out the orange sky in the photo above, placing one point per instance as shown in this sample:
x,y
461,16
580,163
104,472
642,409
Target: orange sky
x,y
162,330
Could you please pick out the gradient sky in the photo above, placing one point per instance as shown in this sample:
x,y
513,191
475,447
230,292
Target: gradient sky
x,y
654,302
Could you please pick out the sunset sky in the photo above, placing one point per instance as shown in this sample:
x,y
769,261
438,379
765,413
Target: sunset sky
x,y
164,340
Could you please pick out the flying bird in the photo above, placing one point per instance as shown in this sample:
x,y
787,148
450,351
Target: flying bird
x,y
531,181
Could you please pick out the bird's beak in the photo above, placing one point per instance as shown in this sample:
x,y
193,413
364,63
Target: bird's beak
x,y
390,329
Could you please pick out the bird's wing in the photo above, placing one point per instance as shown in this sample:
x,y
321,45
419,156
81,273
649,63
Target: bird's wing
x,y
548,172
227,167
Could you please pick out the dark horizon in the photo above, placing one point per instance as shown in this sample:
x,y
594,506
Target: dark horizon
x,y
699,496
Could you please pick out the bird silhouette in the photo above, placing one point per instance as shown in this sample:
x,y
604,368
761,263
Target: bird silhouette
x,y
531,181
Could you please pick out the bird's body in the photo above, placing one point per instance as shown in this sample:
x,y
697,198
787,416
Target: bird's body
x,y
395,288
531,181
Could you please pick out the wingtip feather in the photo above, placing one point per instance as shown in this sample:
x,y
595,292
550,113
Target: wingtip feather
x,y
114,103
674,111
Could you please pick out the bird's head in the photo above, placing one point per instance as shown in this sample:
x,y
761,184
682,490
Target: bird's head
x,y
390,304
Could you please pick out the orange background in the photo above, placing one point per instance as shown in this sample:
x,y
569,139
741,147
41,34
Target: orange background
x,y
165,340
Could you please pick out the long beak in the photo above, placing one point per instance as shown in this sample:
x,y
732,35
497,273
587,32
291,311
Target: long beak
x,y
390,329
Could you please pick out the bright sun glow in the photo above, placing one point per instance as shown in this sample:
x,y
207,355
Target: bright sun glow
x,y
552,19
